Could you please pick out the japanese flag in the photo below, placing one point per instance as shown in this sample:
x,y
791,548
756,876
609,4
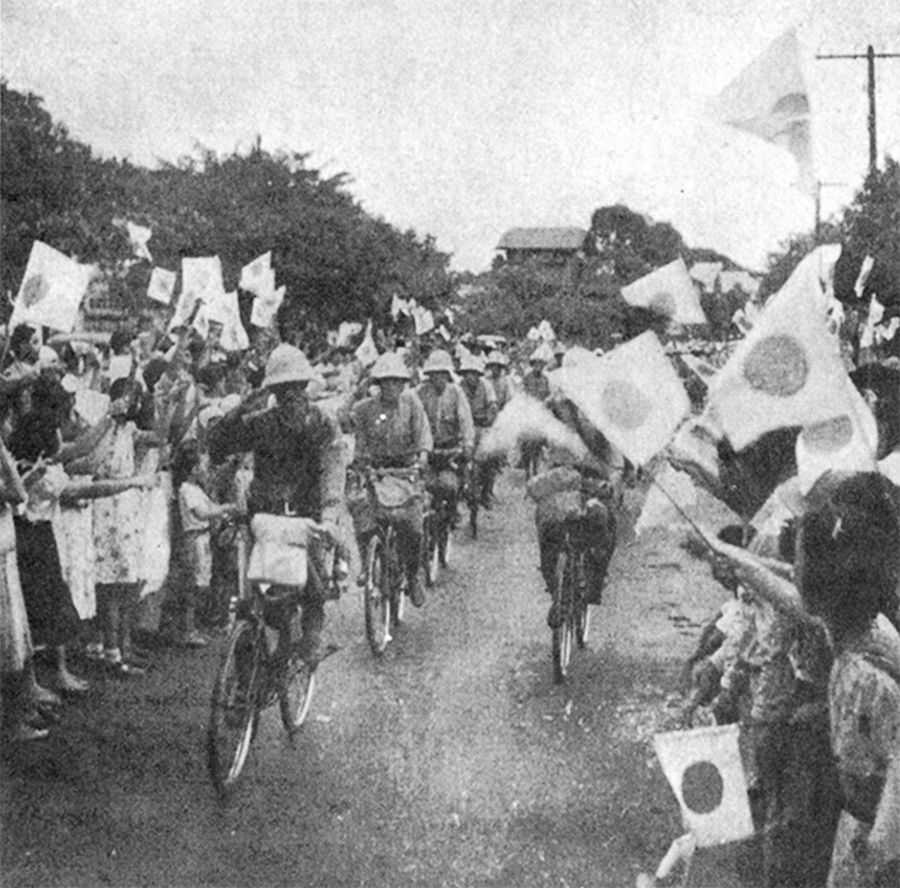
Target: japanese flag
x,y
847,442
668,291
631,394
254,277
51,290
703,767
788,371
161,286
266,306
545,331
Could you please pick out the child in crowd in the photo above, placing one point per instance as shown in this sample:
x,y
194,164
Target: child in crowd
x,y
196,512
118,533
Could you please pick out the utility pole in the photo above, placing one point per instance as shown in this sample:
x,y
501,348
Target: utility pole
x,y
870,55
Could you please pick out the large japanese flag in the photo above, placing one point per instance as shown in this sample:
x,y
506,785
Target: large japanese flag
x,y
668,291
788,371
201,281
703,767
631,394
255,275
51,290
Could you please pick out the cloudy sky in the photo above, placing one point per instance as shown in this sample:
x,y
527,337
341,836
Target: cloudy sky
x,y
464,119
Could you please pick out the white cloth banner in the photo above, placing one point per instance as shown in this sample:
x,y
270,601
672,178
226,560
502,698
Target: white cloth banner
x,y
423,320
51,290
225,310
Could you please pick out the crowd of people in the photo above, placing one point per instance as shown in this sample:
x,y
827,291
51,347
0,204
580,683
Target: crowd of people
x,y
144,443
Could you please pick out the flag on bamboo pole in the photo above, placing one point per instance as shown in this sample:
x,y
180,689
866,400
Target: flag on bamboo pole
x,y
202,275
399,307
769,99
668,291
632,394
703,767
346,331
255,275
423,320
51,290
161,286
788,371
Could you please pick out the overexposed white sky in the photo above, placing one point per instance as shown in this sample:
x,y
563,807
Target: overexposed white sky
x,y
464,119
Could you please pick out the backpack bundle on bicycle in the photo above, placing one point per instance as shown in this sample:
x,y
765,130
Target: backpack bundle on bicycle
x,y
557,494
279,554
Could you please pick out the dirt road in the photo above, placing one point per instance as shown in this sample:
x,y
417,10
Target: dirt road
x,y
453,761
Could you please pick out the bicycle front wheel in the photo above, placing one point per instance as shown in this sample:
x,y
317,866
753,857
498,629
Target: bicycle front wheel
x,y
582,622
563,633
376,597
430,541
295,694
233,709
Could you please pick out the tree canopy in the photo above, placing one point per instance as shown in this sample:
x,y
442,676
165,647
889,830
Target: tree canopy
x,y
337,261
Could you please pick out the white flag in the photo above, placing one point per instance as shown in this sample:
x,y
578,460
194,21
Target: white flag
x,y
703,767
51,290
876,313
545,331
668,291
265,308
423,319
346,331
224,310
202,275
367,353
632,394
161,286
398,307
254,276
788,371
706,274
769,99
138,235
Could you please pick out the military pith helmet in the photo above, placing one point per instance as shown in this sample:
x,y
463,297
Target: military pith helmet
x,y
390,365
287,364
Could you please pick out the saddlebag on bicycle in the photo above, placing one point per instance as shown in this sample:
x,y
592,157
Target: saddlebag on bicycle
x,y
396,497
279,553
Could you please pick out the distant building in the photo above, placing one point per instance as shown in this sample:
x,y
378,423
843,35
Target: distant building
x,y
551,246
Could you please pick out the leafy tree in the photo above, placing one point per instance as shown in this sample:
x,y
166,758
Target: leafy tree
x,y
336,261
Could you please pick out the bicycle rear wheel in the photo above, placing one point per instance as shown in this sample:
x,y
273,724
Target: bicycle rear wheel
x,y
376,600
394,583
444,542
582,622
233,709
563,634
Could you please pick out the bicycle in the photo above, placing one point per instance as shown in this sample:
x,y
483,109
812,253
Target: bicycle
x,y
252,676
441,513
384,578
570,589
